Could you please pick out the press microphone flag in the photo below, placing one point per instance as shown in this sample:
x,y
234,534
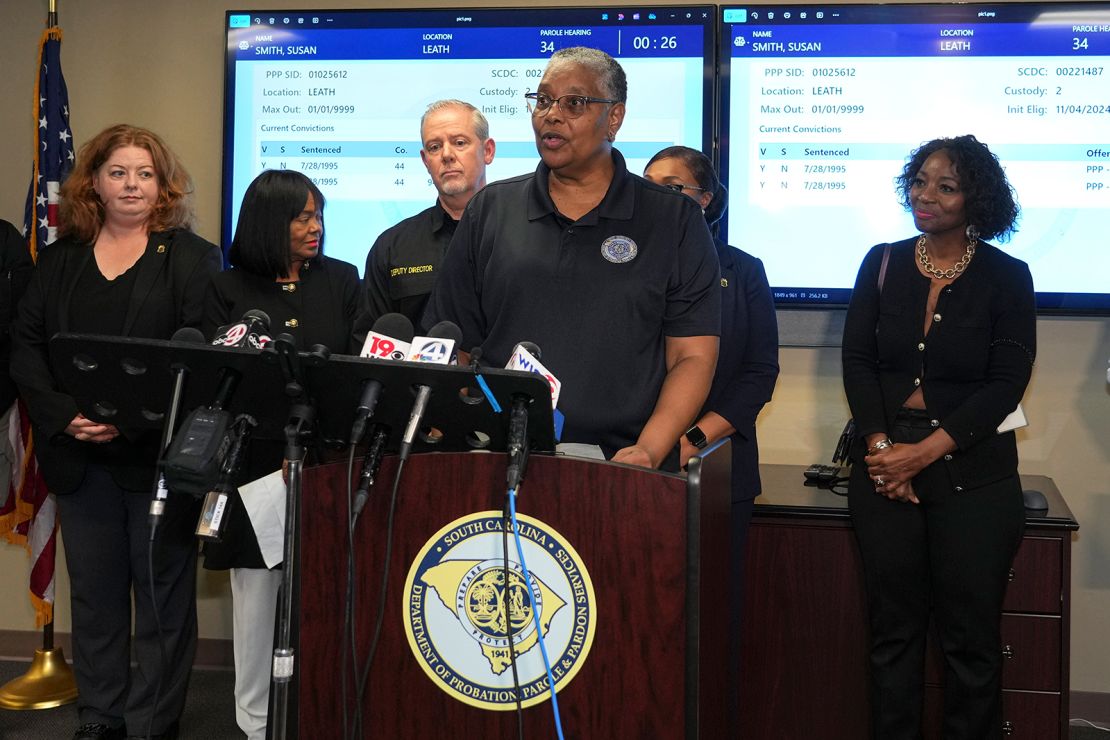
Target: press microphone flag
x,y
528,361
437,348
389,339
250,331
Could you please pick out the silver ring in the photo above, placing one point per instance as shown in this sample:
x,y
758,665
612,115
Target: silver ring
x,y
880,482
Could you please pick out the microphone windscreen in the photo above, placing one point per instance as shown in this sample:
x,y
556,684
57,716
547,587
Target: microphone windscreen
x,y
259,315
533,349
446,330
188,334
394,325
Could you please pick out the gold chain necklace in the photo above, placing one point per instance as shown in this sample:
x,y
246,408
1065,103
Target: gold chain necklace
x,y
951,272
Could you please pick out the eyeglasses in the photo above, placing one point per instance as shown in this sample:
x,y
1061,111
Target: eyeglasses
x,y
572,106
679,187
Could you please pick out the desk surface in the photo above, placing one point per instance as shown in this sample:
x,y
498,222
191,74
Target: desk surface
x,y
786,494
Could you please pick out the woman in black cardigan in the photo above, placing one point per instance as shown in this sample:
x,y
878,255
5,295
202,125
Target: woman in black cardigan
x,y
126,265
279,268
938,348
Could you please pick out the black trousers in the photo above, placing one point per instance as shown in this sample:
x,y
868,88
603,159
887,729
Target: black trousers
x,y
106,533
948,556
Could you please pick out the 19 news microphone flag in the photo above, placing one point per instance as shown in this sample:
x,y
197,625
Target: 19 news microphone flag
x,y
28,516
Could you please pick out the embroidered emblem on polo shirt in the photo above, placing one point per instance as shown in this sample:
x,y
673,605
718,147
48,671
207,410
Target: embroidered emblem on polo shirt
x,y
619,249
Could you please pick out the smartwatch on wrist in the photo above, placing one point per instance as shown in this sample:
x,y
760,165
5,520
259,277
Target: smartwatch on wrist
x,y
695,436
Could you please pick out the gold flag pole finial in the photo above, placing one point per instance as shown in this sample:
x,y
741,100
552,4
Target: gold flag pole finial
x,y
52,18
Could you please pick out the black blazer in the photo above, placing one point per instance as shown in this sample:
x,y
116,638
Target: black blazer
x,y
16,267
168,294
973,365
748,362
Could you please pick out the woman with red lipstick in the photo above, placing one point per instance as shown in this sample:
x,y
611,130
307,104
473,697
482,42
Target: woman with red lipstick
x,y
938,347
126,264
278,267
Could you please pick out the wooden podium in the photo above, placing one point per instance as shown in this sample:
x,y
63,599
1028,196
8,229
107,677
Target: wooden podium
x,y
655,546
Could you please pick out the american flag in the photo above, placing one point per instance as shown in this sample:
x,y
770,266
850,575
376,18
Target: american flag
x,y
29,516
53,144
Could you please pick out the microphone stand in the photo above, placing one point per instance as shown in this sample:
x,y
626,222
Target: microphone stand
x,y
299,431
161,493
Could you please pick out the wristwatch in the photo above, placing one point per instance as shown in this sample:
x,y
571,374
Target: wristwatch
x,y
696,437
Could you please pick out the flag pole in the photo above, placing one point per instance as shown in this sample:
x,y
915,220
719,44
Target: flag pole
x,y
49,682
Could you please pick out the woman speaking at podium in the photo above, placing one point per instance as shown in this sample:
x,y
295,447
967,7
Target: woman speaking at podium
x,y
938,347
278,266
614,278
126,264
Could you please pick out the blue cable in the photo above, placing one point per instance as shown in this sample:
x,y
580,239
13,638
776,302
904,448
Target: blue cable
x,y
535,614
488,393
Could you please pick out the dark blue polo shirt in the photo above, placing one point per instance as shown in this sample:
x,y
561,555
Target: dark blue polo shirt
x,y
598,295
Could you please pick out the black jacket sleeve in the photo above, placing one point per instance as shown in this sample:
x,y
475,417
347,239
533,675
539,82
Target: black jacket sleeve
x,y
16,267
859,349
740,392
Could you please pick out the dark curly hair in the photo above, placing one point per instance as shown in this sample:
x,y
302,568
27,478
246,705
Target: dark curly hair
x,y
988,197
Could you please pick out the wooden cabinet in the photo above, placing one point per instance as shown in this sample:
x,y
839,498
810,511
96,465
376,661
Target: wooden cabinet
x,y
803,643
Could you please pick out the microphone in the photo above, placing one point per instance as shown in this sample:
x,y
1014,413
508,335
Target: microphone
x,y
389,339
250,331
436,348
185,335
210,524
525,357
517,446
370,464
193,459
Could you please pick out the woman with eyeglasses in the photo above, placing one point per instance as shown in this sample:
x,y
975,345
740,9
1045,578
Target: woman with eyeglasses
x,y
615,279
748,365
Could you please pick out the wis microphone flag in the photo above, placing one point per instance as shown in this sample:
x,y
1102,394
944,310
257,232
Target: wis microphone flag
x,y
29,516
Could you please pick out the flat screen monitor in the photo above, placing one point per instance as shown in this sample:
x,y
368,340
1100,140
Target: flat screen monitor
x,y
338,95
822,104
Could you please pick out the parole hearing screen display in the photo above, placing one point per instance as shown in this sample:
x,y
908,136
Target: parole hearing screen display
x,y
339,96
822,106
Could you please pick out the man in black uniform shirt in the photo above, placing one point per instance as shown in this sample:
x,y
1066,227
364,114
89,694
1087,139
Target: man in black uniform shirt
x,y
403,263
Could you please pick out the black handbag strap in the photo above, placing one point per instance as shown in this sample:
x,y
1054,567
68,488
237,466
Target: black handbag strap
x,y
882,267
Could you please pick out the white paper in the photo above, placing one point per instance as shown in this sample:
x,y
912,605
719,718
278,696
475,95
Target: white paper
x,y
264,501
1015,420
580,449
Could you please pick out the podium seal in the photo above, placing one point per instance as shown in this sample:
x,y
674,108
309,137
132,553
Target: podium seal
x,y
459,628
